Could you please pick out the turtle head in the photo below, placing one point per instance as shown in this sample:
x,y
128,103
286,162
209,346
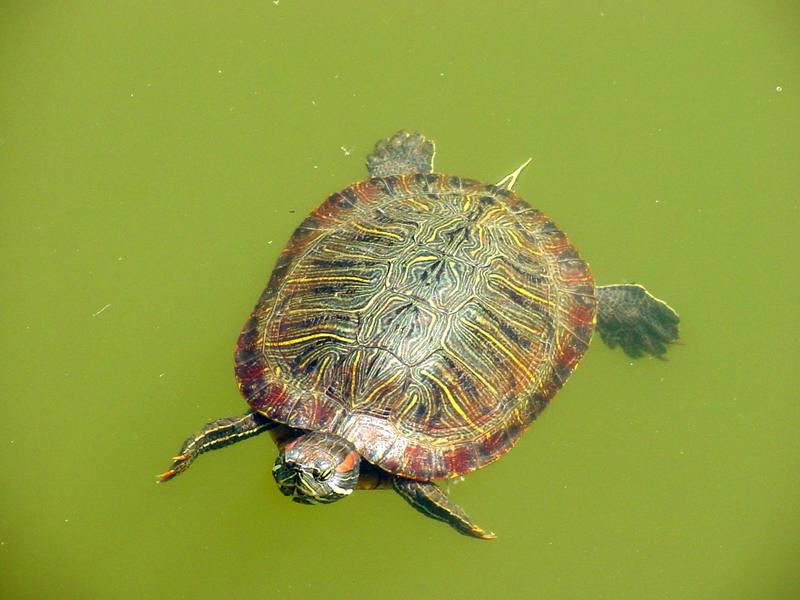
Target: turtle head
x,y
317,468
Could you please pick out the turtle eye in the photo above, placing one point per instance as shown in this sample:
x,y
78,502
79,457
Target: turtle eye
x,y
323,474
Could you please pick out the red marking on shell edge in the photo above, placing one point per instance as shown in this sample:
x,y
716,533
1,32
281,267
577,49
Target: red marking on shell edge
x,y
249,333
367,190
459,460
248,373
576,273
391,462
492,443
549,390
570,356
417,460
581,315
271,396
325,412
316,411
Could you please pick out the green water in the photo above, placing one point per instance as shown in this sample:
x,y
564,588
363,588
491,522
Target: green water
x,y
154,157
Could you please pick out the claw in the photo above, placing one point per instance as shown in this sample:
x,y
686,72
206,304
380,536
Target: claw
x,y
482,534
166,476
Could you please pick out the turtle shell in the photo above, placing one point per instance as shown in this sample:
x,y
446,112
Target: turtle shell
x,y
427,319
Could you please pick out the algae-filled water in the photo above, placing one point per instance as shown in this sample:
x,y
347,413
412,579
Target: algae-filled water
x,y
155,157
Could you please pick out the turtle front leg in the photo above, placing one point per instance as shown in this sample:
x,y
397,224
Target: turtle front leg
x,y
431,501
217,434
631,317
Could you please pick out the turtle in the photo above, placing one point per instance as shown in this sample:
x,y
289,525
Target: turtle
x,y
415,324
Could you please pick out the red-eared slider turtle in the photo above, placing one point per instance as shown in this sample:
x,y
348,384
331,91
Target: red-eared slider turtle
x,y
414,326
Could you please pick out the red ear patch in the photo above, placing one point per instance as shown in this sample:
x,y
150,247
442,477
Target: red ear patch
x,y
290,444
349,463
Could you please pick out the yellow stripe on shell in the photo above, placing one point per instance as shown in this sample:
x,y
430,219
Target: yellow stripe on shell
x,y
416,202
354,375
426,258
404,183
489,213
466,365
313,336
321,370
313,311
409,406
481,245
499,344
389,274
388,234
340,254
452,266
444,225
381,387
513,236
451,399
329,278
519,289
517,323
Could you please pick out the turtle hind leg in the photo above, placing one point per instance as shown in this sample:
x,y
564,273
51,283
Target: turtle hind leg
x,y
216,434
431,501
404,152
631,317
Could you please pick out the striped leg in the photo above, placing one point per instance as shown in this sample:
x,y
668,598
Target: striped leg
x,y
217,434
431,501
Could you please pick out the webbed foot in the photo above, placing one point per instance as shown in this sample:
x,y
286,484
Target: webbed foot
x,y
631,317
404,152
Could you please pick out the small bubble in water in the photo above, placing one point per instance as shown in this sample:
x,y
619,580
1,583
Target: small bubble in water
x,y
779,88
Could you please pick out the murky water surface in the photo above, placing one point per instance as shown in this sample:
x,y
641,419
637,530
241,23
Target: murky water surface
x,y
154,158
